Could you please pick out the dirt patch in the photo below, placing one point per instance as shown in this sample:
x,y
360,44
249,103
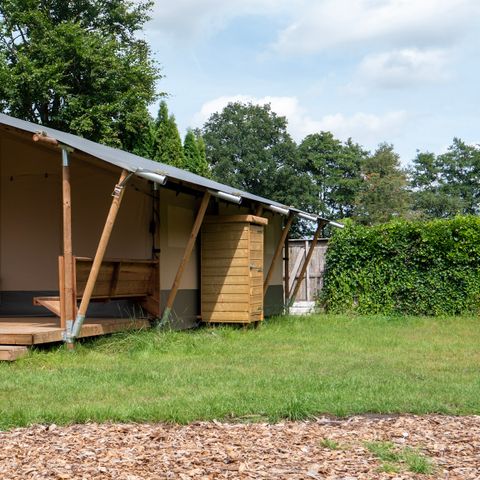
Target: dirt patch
x,y
323,449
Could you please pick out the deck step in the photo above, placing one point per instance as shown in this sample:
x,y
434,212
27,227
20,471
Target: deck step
x,y
50,303
10,353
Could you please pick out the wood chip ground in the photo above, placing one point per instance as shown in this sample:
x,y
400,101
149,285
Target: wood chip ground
x,y
215,450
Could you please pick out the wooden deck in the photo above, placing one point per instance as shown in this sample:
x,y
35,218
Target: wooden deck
x,y
10,353
34,331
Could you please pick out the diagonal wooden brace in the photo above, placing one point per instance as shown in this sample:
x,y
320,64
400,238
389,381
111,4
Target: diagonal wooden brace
x,y
316,236
186,257
278,252
117,194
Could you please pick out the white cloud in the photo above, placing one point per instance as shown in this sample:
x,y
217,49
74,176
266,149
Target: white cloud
x,y
401,68
286,106
320,26
365,128
187,20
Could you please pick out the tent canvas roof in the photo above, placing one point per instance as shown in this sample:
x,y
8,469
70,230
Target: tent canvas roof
x,y
134,163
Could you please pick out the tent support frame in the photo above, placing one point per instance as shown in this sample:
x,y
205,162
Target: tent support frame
x,y
73,330
186,257
278,252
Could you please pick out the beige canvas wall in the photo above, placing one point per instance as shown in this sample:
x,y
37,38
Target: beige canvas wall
x,y
31,214
177,215
30,228
91,199
31,219
273,232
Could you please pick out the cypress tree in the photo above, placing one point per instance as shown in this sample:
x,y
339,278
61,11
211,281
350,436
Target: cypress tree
x,y
191,153
203,167
146,141
168,145
195,154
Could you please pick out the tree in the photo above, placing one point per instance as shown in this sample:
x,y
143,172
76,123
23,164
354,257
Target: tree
x,y
167,142
78,66
448,184
428,195
383,195
204,167
194,152
248,147
145,144
460,175
190,150
335,168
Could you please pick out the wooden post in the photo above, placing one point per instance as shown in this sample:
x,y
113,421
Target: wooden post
x,y
186,257
67,283
61,289
307,275
307,261
97,261
259,211
278,252
287,272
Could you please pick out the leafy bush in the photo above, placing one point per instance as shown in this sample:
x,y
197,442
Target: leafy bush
x,y
405,267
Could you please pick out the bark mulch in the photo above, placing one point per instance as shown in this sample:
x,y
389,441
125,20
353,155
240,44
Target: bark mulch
x,y
322,449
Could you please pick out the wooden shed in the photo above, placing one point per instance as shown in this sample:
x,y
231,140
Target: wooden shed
x,y
232,269
95,240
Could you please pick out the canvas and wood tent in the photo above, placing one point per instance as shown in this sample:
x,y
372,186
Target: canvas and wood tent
x,y
57,212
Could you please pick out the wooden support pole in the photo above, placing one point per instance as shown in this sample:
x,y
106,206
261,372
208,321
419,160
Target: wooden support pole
x,y
61,289
307,275
99,255
259,211
186,257
68,310
286,269
307,261
278,252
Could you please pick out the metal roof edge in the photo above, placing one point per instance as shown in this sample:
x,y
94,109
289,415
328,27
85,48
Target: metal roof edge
x,y
134,163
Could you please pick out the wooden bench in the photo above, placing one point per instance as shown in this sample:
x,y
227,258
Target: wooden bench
x,y
118,279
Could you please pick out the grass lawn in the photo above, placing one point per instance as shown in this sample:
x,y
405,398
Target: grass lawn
x,y
291,367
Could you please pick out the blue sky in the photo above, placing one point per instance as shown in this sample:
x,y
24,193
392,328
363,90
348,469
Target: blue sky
x,y
401,71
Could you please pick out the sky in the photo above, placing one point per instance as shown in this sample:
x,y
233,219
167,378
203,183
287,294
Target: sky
x,y
406,72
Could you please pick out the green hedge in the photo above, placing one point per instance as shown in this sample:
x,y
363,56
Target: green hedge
x,y
413,267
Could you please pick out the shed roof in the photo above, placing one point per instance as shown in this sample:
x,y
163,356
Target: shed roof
x,y
134,163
